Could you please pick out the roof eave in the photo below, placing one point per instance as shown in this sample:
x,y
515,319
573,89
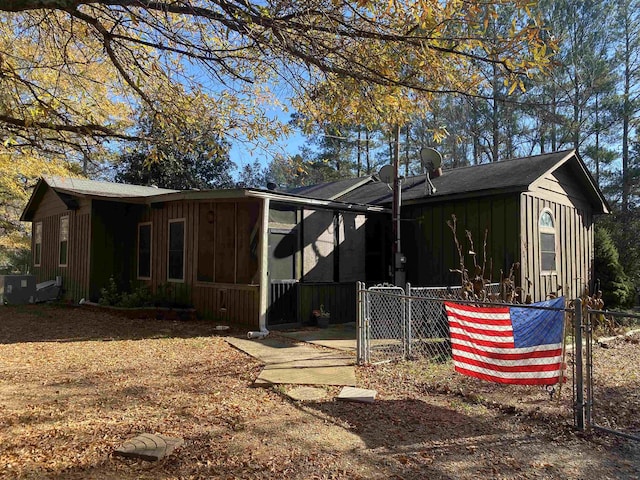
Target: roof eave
x,y
263,194
595,193
27,213
465,195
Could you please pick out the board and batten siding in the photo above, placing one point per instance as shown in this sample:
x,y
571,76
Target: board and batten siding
x,y
573,217
429,246
231,293
75,275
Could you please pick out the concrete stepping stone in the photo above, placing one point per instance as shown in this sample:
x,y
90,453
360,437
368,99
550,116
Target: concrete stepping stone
x,y
307,393
353,394
148,446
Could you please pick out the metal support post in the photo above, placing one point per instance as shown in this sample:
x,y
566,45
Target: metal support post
x,y
579,406
407,330
589,372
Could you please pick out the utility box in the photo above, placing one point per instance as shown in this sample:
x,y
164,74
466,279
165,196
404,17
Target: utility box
x,y
17,289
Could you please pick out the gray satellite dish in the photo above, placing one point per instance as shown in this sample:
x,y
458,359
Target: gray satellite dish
x,y
431,161
386,174
430,158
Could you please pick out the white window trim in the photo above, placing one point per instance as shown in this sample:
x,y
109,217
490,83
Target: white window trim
x,y
184,249
553,230
150,251
35,242
60,241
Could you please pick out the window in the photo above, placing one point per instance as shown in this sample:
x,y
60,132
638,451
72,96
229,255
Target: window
x,y
37,247
144,251
176,250
64,240
547,242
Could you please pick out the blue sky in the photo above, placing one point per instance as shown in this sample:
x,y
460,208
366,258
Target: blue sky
x,y
243,154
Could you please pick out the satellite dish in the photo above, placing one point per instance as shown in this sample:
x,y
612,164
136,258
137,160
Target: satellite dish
x,y
272,186
430,158
386,174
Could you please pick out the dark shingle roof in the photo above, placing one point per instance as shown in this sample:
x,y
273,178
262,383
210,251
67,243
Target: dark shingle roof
x,y
331,190
508,175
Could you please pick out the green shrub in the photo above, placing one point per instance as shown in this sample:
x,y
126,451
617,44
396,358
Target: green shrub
x,y
110,294
167,295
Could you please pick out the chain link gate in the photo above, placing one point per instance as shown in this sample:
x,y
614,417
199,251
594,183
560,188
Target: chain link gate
x,y
382,330
604,403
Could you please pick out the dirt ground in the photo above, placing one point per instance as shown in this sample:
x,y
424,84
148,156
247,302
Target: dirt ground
x,y
75,383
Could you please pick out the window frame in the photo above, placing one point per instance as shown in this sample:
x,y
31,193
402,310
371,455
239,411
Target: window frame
x,y
150,225
184,247
37,242
63,219
543,229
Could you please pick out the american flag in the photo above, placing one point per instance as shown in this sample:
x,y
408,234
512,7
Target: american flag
x,y
516,345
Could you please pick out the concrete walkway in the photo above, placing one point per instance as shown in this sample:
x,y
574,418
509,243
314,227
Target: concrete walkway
x,y
289,361
339,337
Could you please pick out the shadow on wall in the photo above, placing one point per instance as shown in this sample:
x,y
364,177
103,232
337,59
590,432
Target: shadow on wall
x,y
325,246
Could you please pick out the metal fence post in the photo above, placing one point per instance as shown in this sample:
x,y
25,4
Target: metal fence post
x,y
407,330
579,407
359,323
366,307
589,371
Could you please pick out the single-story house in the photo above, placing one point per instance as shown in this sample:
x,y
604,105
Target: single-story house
x,y
260,258
239,255
538,212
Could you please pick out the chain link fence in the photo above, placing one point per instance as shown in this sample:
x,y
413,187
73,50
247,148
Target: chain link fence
x,y
400,324
602,349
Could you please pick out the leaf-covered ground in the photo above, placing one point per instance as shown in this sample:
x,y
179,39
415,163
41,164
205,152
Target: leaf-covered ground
x,y
75,383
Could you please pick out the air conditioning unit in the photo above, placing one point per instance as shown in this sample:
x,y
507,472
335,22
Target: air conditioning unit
x,y
17,289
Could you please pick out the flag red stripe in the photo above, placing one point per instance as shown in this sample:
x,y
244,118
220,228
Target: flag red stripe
x,y
481,321
509,368
484,343
473,309
507,356
482,331
514,381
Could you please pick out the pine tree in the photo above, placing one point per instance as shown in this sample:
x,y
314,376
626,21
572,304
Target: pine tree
x,y
617,289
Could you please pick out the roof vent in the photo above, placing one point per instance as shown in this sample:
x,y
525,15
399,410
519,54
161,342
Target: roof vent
x,y
272,186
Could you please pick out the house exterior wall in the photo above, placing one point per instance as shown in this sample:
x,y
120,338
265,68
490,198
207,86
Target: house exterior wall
x,y
229,290
75,275
428,243
316,245
558,194
513,222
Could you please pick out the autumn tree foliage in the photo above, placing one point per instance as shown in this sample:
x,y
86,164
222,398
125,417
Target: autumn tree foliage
x,y
71,70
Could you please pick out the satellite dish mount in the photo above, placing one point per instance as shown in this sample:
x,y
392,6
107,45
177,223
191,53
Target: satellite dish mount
x,y
431,161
